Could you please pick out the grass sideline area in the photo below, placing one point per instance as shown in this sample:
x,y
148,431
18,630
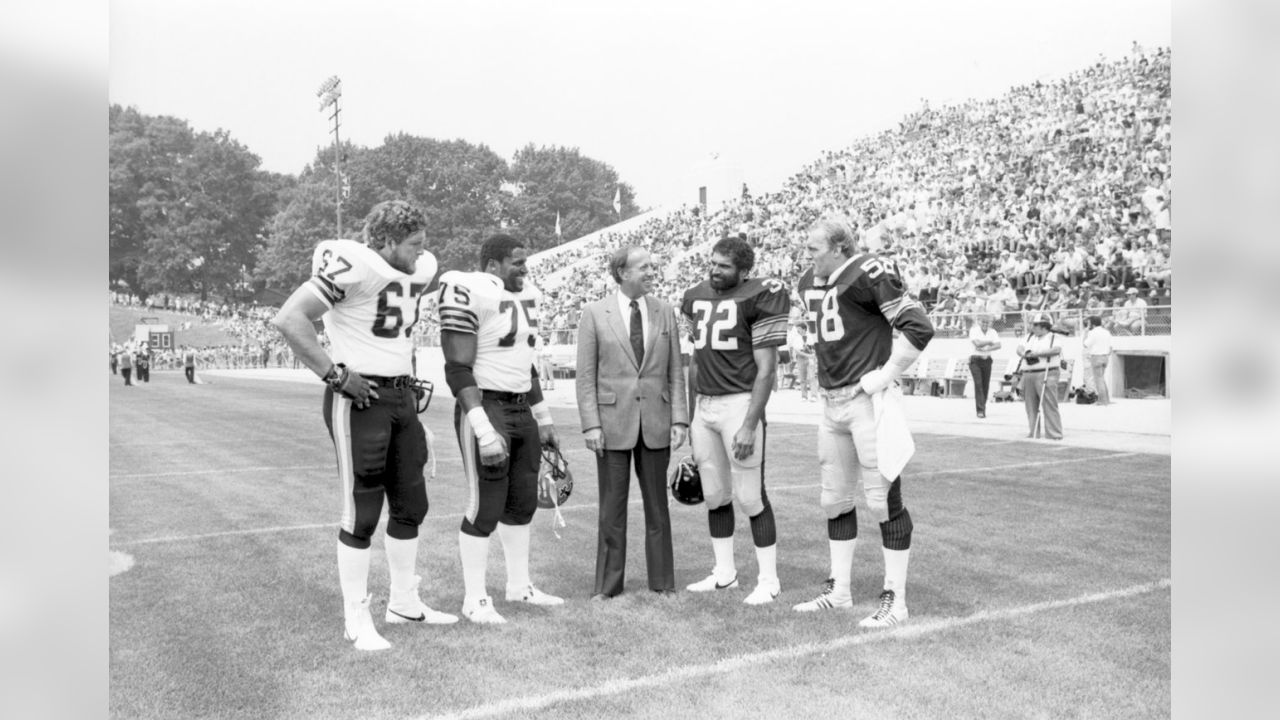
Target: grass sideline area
x,y
123,319
1038,587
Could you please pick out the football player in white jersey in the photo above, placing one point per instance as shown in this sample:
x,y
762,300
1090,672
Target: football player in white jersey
x,y
488,324
368,296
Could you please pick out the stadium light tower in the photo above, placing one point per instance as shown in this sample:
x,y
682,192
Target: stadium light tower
x,y
329,93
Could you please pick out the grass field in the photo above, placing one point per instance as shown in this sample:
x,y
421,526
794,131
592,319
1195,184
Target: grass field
x,y
1038,588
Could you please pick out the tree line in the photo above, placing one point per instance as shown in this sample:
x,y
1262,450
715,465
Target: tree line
x,y
192,212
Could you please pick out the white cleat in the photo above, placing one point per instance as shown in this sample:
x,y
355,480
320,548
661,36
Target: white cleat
x,y
407,607
766,591
828,599
710,583
892,611
482,612
359,627
533,596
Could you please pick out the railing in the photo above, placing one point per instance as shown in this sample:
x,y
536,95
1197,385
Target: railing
x,y
1152,320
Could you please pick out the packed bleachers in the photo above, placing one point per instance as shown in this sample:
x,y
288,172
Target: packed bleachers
x,y
1055,196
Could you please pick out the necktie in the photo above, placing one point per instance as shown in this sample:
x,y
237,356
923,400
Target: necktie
x,y
637,332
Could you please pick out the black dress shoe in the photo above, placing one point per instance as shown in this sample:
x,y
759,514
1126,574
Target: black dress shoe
x,y
665,593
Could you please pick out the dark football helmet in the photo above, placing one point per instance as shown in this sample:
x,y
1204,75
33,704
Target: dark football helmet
x,y
686,483
555,482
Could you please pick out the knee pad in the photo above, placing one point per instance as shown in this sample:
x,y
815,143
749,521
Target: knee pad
x,y
359,543
406,515
835,505
717,497
753,503
877,491
479,528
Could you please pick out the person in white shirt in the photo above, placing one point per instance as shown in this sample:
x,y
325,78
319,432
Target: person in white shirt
x,y
985,341
1040,371
1097,348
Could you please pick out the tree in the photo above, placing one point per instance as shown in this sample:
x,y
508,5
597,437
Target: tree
x,y
559,179
143,152
187,210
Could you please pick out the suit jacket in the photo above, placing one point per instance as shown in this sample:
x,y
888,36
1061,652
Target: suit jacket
x,y
617,394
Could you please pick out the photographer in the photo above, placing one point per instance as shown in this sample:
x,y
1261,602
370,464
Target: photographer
x,y
1040,369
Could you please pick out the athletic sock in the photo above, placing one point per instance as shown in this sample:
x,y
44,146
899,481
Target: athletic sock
x,y
402,560
767,560
725,568
353,572
895,572
842,564
515,549
474,552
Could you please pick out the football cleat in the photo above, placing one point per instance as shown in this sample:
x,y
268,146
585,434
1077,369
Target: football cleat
x,y
710,583
482,612
407,607
686,482
554,476
533,596
891,612
766,592
826,600
359,627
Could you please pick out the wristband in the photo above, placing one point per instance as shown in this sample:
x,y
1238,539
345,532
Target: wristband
x,y
332,374
480,423
542,414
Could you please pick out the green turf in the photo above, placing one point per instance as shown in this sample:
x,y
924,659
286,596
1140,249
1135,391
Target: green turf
x,y
248,625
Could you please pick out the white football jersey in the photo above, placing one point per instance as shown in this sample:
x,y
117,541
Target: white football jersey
x,y
505,325
372,306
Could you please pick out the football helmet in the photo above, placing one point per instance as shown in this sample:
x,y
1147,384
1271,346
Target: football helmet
x,y
555,482
686,482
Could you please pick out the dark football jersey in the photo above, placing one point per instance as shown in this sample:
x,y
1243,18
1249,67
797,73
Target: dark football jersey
x,y
852,316
728,327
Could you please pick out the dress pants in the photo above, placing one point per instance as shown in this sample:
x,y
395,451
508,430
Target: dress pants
x,y
614,473
980,369
1040,392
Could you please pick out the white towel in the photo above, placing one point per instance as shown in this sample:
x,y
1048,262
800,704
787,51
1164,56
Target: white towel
x,y
894,444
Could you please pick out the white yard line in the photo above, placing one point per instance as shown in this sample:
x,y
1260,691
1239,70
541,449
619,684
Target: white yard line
x,y
221,470
567,508
687,673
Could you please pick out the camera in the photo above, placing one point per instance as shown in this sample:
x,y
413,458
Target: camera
x,y
1031,361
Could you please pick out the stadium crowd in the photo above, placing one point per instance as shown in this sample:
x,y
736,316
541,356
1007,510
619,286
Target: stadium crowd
x,y
1054,197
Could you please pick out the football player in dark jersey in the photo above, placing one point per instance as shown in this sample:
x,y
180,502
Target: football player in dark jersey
x,y
855,301
738,324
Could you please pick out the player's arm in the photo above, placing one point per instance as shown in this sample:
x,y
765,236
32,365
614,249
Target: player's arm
x,y
541,412
915,332
296,322
459,360
766,368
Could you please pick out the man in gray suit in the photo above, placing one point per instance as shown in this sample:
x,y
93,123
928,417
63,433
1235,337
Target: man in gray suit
x,y
631,399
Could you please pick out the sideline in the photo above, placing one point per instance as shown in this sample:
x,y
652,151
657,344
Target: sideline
x,y
728,665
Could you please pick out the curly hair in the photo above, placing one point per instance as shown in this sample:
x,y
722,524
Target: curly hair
x,y
391,222
738,250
